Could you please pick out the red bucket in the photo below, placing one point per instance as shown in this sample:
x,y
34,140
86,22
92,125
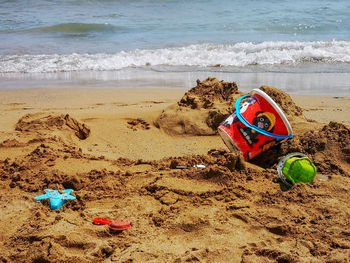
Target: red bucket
x,y
256,126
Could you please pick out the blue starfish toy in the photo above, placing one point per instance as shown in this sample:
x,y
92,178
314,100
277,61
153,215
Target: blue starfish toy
x,y
56,198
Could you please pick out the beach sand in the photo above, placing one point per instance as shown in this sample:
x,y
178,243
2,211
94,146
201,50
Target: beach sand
x,y
117,149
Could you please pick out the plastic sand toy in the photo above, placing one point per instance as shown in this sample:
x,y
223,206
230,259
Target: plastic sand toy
x,y
56,198
114,225
296,168
256,125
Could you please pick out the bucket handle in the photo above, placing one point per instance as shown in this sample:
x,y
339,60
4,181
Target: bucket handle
x,y
246,123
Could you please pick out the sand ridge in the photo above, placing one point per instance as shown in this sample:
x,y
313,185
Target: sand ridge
x,y
230,211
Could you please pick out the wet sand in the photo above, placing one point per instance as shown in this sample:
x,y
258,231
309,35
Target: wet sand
x,y
117,155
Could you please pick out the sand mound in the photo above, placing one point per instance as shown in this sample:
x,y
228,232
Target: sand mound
x,y
284,101
42,122
207,93
204,107
328,147
201,109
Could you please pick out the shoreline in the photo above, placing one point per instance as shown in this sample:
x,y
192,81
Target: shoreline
x,y
294,83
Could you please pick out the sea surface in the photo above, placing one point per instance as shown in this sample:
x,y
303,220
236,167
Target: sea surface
x,y
135,40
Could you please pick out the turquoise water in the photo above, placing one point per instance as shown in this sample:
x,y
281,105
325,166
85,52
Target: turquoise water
x,y
106,26
48,36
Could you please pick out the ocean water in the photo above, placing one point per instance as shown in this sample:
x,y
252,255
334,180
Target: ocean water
x,y
92,39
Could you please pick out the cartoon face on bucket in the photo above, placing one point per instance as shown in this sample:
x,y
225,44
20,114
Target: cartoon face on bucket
x,y
252,131
263,120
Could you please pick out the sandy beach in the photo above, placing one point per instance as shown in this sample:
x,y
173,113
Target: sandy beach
x,y
117,149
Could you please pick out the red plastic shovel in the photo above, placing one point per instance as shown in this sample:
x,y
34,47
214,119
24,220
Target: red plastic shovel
x,y
101,221
115,225
119,225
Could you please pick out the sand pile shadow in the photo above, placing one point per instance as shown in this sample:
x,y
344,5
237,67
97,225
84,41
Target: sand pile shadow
x,y
41,122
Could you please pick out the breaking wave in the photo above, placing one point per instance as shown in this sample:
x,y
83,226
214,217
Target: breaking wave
x,y
202,55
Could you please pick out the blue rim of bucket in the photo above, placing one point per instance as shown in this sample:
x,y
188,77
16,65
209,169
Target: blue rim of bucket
x,y
246,123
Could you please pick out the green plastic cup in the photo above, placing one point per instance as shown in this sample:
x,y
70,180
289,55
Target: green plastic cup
x,y
296,168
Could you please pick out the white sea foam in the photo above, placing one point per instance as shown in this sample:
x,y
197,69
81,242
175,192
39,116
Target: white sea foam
x,y
203,55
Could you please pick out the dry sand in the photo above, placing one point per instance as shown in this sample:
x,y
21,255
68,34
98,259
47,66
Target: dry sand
x,y
117,150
